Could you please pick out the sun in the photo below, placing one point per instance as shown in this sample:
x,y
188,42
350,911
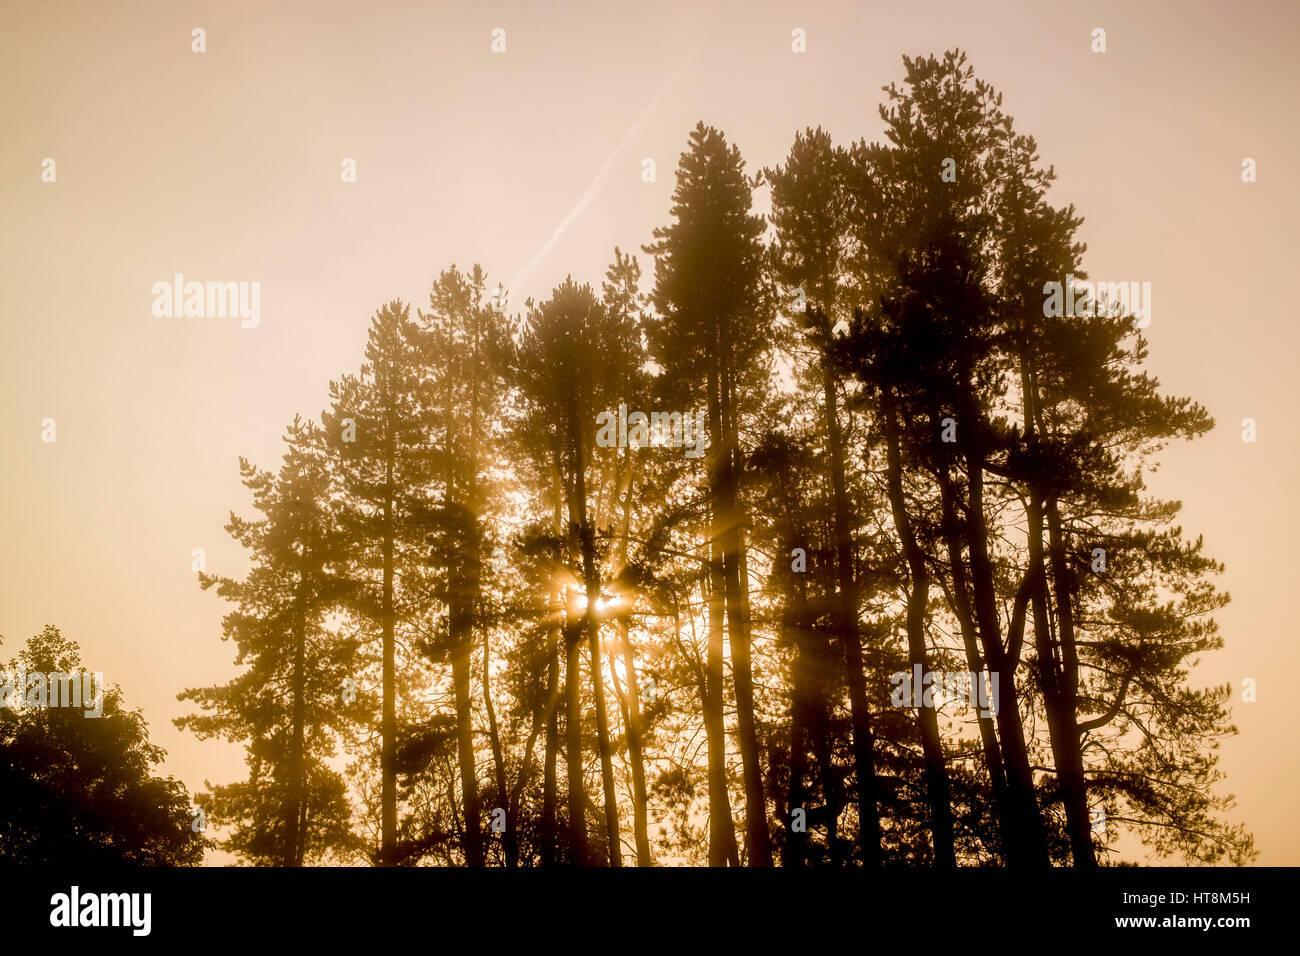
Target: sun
x,y
605,602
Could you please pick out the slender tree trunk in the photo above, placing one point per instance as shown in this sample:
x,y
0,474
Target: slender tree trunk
x,y
936,773
850,637
591,624
573,633
758,838
472,842
573,754
463,617
1060,678
295,837
552,748
1020,778
302,834
636,756
819,726
514,799
722,835
1012,833
1066,746
723,850
635,746
460,626
388,757
796,841
602,733
509,843
555,640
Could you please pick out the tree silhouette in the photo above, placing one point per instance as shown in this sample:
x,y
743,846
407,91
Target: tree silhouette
x,y
810,212
377,429
710,340
291,704
911,463
79,790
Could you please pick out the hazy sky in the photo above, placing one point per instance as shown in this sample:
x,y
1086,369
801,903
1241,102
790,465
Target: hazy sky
x,y
225,165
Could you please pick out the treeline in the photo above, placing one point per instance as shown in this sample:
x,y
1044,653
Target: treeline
x,y
478,631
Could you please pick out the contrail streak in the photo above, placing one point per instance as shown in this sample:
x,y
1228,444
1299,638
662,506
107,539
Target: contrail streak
x,y
585,199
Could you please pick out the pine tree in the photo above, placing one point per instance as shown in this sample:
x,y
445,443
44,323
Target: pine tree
x,y
462,348
378,428
710,340
564,376
290,704
810,212
625,308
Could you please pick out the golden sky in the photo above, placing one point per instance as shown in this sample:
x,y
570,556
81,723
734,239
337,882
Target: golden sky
x,y
225,166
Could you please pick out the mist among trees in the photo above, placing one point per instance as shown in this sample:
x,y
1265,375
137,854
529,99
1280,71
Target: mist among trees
x,y
473,634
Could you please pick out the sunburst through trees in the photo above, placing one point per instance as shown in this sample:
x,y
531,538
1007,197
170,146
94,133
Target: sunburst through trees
x,y
477,634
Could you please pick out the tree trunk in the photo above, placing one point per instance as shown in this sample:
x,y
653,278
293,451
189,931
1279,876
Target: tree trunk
x,y
723,850
1066,746
555,637
472,841
295,837
509,842
1058,678
552,748
602,733
850,637
464,617
722,835
758,839
591,624
640,825
936,772
796,842
635,749
573,752
388,729
819,726
1009,824
1020,778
